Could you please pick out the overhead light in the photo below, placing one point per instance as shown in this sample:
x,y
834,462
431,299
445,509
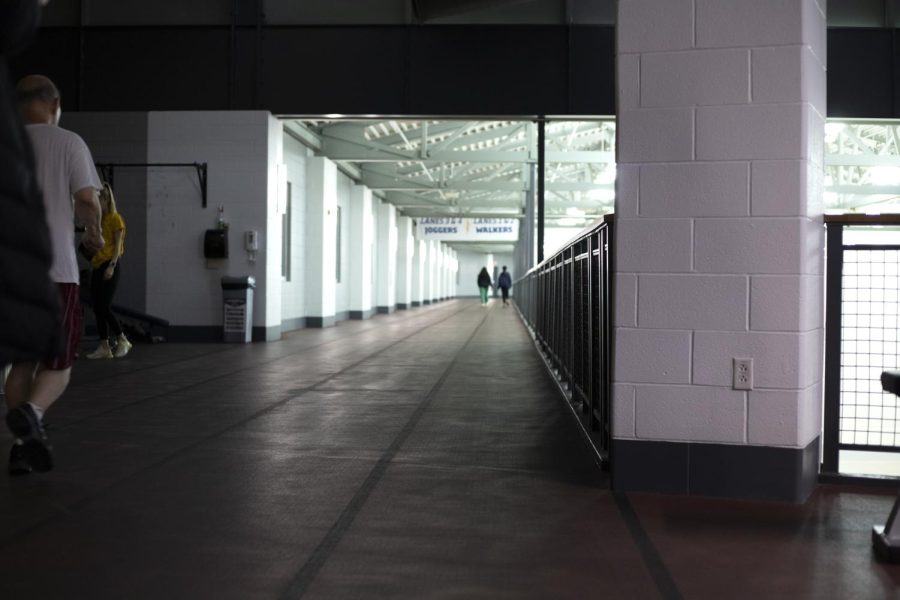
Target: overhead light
x,y
334,116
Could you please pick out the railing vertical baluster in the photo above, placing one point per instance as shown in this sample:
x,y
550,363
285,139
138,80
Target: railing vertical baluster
x,y
832,409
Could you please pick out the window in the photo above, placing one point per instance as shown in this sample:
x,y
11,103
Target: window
x,y
286,237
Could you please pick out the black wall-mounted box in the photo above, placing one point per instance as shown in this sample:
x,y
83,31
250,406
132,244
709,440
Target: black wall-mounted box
x,y
215,243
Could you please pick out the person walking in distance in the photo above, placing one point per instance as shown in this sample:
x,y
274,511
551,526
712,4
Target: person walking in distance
x,y
67,176
105,277
484,282
504,282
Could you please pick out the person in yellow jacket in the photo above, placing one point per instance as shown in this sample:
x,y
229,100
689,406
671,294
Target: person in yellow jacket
x,y
105,276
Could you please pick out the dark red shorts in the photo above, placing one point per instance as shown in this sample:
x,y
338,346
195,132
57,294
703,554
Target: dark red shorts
x,y
70,304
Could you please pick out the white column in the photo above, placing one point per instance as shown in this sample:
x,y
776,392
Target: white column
x,y
454,271
439,272
362,236
720,128
385,280
405,251
418,272
428,291
321,237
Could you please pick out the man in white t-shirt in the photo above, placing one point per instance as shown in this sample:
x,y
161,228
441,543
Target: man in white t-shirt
x,y
69,182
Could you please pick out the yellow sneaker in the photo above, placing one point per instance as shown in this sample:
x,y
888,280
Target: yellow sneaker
x,y
102,351
123,346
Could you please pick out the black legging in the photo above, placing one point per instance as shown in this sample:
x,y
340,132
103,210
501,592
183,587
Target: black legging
x,y
102,291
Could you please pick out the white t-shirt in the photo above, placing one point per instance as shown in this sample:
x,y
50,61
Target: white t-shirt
x,y
64,167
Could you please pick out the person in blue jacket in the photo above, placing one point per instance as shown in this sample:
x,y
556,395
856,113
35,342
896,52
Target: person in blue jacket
x,y
504,282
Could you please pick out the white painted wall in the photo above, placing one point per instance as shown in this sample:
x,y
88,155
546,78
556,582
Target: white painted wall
x,y
342,289
386,257
361,243
470,265
405,251
293,299
122,137
181,286
321,209
721,118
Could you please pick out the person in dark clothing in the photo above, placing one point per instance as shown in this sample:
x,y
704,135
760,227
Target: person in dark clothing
x,y
484,282
504,282
29,305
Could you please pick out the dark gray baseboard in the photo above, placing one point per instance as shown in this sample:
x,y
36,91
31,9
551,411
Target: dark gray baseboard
x,y
385,310
402,306
361,315
342,316
426,302
320,322
416,303
194,333
267,334
293,324
722,470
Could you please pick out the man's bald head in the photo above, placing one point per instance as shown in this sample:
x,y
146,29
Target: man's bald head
x,y
38,99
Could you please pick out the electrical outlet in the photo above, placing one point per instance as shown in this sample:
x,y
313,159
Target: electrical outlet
x,y
743,373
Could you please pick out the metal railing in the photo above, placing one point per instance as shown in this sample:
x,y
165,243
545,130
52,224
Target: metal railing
x,y
566,303
862,316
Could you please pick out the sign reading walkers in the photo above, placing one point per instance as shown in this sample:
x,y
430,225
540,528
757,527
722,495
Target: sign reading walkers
x,y
468,230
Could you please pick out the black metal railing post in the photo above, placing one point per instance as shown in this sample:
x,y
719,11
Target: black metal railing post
x,y
832,408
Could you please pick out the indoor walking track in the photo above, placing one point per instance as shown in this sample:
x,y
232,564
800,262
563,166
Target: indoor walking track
x,y
423,454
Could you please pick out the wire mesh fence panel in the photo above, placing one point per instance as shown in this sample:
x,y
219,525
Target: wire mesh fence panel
x,y
870,311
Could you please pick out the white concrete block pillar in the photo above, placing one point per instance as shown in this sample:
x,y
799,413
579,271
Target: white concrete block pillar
x,y
454,275
719,246
420,253
430,260
405,252
321,236
362,245
386,277
440,271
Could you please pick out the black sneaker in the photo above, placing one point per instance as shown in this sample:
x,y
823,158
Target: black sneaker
x,y
25,425
18,464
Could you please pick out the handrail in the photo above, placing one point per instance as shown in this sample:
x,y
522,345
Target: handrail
x,y
861,219
583,233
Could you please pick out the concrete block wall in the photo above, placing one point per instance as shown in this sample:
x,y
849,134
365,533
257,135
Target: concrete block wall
x,y
182,286
122,137
720,240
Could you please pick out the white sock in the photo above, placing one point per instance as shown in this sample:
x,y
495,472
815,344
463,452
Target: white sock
x,y
37,410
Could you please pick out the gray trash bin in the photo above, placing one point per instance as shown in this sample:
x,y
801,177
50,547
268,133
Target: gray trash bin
x,y
237,300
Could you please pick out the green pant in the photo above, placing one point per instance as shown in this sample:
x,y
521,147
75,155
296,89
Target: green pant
x,y
484,295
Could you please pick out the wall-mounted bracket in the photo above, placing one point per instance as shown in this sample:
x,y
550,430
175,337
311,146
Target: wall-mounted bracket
x,y
108,170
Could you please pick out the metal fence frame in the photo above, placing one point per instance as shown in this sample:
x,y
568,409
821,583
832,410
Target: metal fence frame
x,y
835,225
566,303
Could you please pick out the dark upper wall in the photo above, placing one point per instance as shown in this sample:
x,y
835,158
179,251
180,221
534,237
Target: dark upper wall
x,y
440,70
255,54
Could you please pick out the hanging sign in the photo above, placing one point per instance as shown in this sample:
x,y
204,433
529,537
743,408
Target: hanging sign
x,y
468,230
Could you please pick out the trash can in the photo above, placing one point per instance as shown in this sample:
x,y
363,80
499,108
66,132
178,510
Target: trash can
x,y
237,299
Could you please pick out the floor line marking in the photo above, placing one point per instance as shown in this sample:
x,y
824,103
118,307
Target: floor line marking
x,y
310,569
658,571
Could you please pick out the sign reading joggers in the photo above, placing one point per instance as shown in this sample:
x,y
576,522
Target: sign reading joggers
x,y
468,230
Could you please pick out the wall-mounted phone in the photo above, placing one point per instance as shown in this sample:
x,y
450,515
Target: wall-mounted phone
x,y
251,241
